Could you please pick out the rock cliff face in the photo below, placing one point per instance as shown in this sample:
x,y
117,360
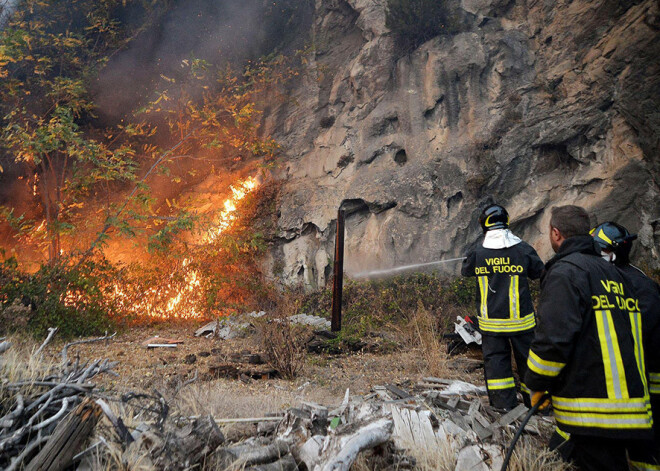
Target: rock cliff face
x,y
533,104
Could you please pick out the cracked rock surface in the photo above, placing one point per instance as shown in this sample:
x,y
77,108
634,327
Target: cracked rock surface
x,y
532,104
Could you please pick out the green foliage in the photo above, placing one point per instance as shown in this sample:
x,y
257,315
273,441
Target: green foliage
x,y
378,305
50,54
75,299
463,290
416,21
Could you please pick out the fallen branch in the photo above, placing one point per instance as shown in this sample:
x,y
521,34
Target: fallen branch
x,y
250,420
4,346
240,456
123,433
51,332
16,462
8,420
343,451
60,413
192,380
79,342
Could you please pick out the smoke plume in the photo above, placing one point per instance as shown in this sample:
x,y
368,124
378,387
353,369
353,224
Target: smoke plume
x,y
218,31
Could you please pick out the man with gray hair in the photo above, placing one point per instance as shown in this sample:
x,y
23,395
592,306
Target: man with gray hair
x,y
585,350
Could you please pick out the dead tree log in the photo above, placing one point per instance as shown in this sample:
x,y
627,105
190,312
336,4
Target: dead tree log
x,y
344,448
288,463
183,449
67,439
250,454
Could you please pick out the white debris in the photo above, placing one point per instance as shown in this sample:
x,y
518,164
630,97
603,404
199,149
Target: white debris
x,y
229,327
208,329
235,326
314,321
468,333
458,388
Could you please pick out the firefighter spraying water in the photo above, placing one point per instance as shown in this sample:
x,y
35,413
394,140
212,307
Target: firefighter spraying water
x,y
502,264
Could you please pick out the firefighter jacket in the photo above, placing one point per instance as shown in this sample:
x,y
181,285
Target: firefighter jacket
x,y
647,292
504,305
587,349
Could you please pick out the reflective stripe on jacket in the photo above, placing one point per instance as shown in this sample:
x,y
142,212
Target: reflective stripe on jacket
x,y
504,305
587,350
647,292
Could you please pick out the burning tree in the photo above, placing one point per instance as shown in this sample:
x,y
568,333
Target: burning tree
x,y
91,181
50,53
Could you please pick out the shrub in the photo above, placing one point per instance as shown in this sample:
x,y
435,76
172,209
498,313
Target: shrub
x,y
416,21
386,305
283,342
77,299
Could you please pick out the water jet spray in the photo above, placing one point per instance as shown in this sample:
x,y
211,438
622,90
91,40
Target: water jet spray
x,y
388,271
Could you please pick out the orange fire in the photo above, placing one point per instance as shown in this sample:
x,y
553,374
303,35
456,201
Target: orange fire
x,y
227,215
173,307
168,302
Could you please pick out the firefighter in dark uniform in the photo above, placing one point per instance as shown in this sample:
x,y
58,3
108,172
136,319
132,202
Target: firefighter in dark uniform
x,y
502,263
615,243
587,351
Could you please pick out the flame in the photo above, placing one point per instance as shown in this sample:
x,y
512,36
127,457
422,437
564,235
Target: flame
x,y
172,307
239,192
167,302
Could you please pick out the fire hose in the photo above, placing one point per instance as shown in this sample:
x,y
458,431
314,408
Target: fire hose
x,y
519,431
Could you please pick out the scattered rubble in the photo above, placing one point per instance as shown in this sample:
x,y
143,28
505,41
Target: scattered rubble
x,y
396,424
236,326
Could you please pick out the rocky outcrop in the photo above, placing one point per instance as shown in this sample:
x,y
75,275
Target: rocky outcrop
x,y
532,104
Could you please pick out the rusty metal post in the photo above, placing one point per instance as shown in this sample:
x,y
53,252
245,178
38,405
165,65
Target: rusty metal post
x,y
338,281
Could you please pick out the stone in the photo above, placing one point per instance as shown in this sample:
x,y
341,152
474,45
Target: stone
x,y
470,459
190,359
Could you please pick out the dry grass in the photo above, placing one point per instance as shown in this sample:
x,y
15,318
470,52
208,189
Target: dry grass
x,y
19,364
113,458
224,399
422,332
531,455
442,457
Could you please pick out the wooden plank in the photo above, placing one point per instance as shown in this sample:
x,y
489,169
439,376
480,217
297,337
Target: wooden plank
x,y
481,431
249,420
474,407
413,429
400,393
432,379
431,386
383,393
67,439
510,416
459,420
481,419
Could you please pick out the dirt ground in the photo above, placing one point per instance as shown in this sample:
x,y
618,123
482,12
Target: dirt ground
x,y
324,380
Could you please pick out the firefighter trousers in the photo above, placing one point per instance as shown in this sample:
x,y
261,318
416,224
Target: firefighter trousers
x,y
592,453
498,369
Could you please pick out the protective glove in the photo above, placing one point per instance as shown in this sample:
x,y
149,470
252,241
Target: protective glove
x,y
537,396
